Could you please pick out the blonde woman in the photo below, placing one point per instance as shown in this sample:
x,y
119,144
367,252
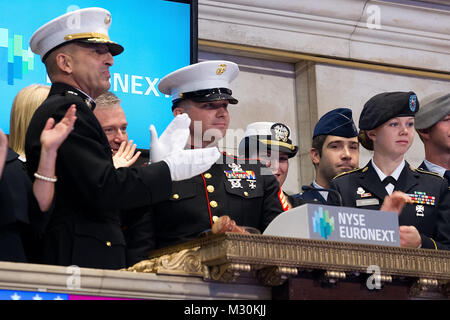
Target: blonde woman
x,y
25,207
25,104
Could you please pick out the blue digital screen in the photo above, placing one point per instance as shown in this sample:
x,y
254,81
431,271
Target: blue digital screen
x,y
156,36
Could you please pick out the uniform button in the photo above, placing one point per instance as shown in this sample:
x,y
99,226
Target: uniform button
x,y
210,188
175,196
246,193
214,204
207,175
108,243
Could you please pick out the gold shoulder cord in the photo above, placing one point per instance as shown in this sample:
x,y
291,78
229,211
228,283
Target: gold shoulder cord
x,y
346,172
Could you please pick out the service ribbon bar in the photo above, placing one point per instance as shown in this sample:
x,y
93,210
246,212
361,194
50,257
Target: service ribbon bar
x,y
422,198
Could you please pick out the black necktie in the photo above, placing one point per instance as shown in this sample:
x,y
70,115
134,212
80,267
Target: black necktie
x,y
388,180
447,176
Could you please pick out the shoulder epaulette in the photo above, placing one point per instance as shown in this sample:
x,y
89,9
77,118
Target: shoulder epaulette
x,y
347,172
427,172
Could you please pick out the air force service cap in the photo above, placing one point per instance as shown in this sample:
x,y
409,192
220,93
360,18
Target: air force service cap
x,y
271,135
387,105
337,122
201,82
434,108
88,25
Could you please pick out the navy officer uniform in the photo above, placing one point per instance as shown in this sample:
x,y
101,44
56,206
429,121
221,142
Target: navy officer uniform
x,y
261,138
363,188
232,186
337,122
84,228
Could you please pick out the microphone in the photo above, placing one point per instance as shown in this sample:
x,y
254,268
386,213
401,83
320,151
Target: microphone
x,y
310,188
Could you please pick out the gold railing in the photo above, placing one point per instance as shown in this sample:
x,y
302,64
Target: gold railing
x,y
272,260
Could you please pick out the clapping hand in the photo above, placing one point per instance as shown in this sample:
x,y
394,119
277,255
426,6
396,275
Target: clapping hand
x,y
409,235
170,147
52,135
226,224
395,202
173,138
125,156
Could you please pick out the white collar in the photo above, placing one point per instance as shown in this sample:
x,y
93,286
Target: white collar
x,y
88,96
395,174
434,168
324,194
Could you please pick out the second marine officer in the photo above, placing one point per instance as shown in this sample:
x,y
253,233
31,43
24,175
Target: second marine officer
x,y
232,187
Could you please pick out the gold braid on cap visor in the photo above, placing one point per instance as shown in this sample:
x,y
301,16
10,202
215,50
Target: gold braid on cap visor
x,y
85,35
280,143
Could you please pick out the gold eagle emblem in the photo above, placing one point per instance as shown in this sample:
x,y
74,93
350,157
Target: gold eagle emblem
x,y
221,69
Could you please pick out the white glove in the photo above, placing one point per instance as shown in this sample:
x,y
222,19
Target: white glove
x,y
185,164
173,138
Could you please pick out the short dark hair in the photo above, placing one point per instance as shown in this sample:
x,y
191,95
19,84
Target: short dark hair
x,y
180,103
317,143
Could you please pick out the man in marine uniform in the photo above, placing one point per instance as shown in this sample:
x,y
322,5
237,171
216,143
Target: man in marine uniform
x,y
231,187
84,228
433,126
335,149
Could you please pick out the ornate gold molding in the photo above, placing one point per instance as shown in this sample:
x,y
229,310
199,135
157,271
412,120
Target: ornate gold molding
x,y
273,259
184,262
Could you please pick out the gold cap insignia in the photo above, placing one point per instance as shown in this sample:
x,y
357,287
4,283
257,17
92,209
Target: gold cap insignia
x,y
221,69
280,132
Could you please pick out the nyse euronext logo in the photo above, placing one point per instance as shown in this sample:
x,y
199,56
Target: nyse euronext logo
x,y
322,223
15,60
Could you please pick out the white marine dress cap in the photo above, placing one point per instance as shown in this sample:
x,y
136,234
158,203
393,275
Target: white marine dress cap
x,y
201,82
88,25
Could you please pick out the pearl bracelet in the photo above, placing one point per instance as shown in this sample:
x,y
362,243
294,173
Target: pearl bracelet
x,y
38,176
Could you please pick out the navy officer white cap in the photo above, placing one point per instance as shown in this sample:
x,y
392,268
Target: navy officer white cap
x,y
272,134
214,75
85,25
259,129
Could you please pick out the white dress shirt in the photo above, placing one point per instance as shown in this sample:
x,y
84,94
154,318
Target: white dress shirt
x,y
395,174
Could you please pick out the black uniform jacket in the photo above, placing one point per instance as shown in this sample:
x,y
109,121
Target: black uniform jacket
x,y
295,200
85,226
247,192
423,166
307,196
361,187
16,194
17,206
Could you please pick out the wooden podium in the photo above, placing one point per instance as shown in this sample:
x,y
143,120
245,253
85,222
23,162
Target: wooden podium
x,y
308,269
